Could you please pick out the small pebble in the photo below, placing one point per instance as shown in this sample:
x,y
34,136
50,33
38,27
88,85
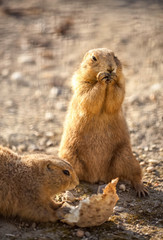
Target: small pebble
x,y
32,148
9,103
118,209
153,161
119,227
122,187
154,146
33,225
152,97
140,211
49,134
10,235
142,163
42,141
132,99
48,54
47,75
54,92
21,147
146,149
124,204
49,116
61,106
132,204
16,76
50,143
52,150
26,59
150,169
157,203
87,234
80,233
155,87
14,148
38,93
149,210
23,224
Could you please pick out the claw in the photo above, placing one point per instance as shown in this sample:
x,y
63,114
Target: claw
x,y
112,77
141,190
146,192
107,77
61,212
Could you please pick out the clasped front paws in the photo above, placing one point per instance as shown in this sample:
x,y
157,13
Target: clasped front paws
x,y
106,77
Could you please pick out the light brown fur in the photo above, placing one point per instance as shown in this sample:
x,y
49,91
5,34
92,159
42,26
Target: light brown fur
x,y
96,139
28,183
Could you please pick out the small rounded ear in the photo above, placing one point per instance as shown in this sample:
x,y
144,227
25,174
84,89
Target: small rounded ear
x,y
86,54
117,61
119,66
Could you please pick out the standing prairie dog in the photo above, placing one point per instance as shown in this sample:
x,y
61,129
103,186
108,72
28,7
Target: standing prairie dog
x,y
28,183
96,140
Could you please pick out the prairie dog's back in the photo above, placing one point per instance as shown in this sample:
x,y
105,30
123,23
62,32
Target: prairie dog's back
x,y
7,155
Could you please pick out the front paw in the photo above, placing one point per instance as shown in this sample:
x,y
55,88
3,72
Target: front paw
x,y
103,76
112,78
106,77
61,212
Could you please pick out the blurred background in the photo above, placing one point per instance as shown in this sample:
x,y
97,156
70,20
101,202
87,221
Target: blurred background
x,y
43,42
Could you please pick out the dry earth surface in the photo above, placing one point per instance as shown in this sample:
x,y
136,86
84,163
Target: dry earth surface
x,y
41,44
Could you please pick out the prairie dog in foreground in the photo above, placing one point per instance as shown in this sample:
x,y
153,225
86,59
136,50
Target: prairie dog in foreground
x,y
28,183
95,139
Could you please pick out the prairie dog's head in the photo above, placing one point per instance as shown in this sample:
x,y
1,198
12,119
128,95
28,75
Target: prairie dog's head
x,y
56,175
98,60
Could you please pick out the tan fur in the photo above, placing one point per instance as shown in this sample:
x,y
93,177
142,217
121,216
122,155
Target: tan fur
x,y
28,183
96,139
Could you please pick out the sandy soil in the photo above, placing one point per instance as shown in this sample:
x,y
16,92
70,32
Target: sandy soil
x,y
41,44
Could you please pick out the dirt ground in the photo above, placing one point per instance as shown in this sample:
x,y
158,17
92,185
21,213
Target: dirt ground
x,y
41,44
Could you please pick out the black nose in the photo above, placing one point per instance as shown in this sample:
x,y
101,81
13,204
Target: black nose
x,y
110,70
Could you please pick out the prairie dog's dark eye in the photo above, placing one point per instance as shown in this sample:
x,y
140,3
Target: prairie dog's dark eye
x,y
66,172
94,58
49,166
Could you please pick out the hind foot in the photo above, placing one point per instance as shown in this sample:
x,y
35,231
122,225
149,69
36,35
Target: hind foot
x,y
141,190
